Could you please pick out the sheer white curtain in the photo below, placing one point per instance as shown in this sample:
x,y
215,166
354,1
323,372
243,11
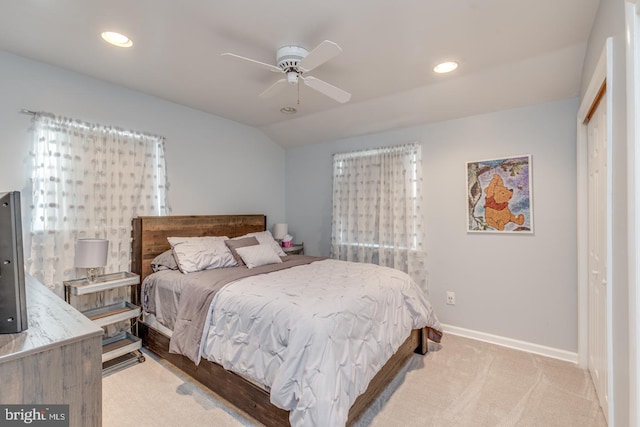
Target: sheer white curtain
x,y
89,181
377,215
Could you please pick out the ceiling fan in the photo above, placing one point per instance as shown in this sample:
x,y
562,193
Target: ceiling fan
x,y
295,61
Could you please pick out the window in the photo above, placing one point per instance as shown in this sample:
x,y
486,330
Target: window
x,y
89,181
376,208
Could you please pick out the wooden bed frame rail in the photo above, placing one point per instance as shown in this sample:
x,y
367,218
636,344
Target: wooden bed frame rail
x,y
150,239
253,400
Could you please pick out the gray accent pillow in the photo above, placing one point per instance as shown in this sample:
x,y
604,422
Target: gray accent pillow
x,y
240,243
164,261
265,238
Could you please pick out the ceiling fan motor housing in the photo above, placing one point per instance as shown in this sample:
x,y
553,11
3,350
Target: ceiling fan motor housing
x,y
288,57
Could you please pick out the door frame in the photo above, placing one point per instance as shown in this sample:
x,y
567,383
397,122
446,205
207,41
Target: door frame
x,y
632,29
602,73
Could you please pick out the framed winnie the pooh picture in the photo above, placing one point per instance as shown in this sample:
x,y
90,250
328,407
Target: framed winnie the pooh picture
x,y
499,195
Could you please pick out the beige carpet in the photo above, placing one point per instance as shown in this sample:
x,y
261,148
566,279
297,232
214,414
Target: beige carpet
x,y
459,383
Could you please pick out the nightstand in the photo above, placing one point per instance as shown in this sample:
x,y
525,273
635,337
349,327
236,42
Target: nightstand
x,y
294,250
124,347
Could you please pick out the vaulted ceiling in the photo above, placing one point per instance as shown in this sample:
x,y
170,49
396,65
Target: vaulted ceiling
x,y
510,53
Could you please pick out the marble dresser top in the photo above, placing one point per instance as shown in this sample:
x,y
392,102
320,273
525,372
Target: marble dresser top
x,y
52,323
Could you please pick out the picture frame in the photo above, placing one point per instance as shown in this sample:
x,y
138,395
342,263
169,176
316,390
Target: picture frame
x,y
499,195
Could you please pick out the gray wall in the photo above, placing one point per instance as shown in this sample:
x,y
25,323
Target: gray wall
x,y
517,286
215,165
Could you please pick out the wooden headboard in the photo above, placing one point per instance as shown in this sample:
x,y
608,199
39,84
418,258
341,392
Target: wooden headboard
x,y
150,233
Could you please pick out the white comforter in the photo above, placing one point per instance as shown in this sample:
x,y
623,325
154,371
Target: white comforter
x,y
314,334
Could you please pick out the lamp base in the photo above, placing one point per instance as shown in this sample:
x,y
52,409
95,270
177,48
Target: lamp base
x,y
92,273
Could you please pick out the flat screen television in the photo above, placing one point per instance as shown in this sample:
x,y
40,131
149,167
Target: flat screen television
x,y
13,304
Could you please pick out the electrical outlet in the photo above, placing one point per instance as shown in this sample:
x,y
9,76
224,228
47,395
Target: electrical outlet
x,y
451,298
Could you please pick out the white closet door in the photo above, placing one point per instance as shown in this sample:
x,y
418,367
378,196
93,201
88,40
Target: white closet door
x,y
597,225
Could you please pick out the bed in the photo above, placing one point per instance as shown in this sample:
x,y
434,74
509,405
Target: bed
x,y
150,239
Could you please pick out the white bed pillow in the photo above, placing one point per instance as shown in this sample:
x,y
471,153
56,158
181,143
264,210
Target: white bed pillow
x,y
257,255
201,253
265,238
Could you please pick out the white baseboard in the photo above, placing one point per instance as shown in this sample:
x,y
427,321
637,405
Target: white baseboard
x,y
511,343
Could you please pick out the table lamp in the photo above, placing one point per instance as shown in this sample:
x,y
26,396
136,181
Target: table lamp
x,y
279,231
92,255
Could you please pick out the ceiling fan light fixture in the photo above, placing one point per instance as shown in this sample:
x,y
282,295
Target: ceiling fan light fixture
x,y
445,67
288,110
292,77
116,39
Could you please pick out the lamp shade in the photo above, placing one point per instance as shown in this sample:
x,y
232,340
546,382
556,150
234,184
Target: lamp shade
x,y
91,253
279,231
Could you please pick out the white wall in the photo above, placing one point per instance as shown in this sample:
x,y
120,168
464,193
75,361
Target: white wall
x,y
517,286
215,166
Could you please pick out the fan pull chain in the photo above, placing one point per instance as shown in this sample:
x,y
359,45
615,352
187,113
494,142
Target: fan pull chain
x,y
298,103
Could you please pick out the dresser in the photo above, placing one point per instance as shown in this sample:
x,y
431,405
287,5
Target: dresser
x,y
57,360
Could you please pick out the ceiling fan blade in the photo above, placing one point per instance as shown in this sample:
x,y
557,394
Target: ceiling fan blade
x,y
327,89
321,54
274,88
262,64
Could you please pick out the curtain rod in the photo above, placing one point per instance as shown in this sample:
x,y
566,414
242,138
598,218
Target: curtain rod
x,y
35,113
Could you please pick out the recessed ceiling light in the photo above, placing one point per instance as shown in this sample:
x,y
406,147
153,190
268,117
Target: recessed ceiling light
x,y
117,39
288,110
445,67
